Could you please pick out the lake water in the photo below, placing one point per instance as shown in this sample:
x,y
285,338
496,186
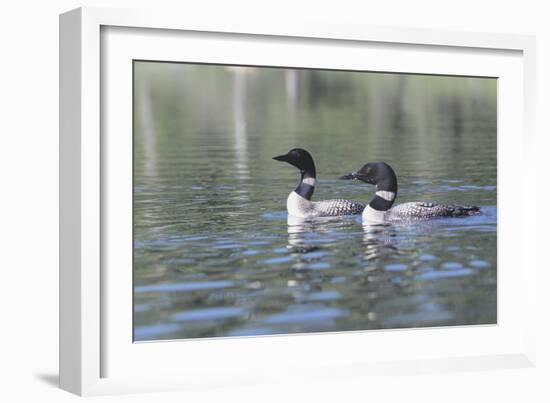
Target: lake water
x,y
214,254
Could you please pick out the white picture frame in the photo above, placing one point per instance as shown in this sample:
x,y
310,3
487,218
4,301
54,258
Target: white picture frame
x,y
96,356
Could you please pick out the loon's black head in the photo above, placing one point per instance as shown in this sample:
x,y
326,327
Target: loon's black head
x,y
376,173
301,159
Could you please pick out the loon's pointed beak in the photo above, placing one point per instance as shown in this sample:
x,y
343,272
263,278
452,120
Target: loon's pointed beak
x,y
281,158
348,176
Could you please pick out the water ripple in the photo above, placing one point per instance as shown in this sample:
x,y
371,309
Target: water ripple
x,y
216,313
178,287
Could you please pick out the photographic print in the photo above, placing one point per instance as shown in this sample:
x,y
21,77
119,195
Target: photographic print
x,y
270,200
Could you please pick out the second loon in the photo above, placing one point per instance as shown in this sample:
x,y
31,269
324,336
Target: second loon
x,y
379,210
299,202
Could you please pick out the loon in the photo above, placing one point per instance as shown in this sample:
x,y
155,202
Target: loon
x,y
299,202
379,210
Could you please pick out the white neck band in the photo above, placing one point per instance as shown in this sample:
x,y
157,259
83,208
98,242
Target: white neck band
x,y
386,195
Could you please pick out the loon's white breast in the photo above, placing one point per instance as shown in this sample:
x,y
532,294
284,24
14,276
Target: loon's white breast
x,y
373,217
299,206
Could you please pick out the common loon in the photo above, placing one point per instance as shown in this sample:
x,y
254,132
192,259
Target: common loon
x,y
299,202
379,210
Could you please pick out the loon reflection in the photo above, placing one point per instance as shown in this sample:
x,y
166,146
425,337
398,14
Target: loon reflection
x,y
379,242
299,234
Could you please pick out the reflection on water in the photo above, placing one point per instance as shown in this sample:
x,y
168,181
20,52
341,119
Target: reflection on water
x,y
239,122
214,251
378,242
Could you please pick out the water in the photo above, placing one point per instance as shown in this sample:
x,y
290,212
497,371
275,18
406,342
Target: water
x,y
214,253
